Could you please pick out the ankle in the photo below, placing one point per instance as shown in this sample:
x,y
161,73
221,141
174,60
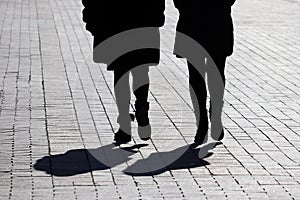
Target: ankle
x,y
141,113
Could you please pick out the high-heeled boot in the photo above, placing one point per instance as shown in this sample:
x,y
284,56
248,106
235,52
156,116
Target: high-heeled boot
x,y
141,114
123,135
215,112
202,128
200,111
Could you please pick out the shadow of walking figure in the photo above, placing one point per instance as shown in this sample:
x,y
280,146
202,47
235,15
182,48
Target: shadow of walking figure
x,y
209,23
106,19
185,157
80,161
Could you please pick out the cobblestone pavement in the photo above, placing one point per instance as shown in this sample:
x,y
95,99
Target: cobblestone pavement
x,y
57,108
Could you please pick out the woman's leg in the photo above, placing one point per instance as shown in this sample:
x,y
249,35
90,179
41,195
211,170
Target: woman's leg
x,y
216,85
197,86
140,84
122,94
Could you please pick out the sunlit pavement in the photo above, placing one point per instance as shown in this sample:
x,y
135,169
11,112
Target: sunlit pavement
x,y
58,115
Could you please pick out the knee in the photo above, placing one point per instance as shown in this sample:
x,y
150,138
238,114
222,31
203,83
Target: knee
x,y
140,72
121,77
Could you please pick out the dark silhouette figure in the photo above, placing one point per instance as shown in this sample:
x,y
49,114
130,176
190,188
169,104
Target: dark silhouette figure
x,y
105,19
209,23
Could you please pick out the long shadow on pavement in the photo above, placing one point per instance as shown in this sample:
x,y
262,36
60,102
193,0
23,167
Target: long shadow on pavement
x,y
79,161
185,157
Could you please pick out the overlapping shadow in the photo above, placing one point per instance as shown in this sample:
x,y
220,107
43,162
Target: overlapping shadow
x,y
160,162
79,161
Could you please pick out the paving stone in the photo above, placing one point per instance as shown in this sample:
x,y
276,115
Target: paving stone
x,y
57,107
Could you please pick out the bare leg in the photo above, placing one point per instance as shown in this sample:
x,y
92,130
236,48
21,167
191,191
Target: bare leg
x,y
140,84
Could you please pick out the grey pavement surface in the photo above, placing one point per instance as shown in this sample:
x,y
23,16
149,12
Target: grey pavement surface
x,y
57,109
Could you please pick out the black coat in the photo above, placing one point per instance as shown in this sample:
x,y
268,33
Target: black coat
x,y
106,18
208,22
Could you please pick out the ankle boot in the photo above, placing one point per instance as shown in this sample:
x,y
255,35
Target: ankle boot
x,y
215,113
123,135
202,128
141,114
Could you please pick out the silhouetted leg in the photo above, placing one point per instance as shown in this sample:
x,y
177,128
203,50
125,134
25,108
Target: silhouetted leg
x,y
216,86
197,86
140,84
122,94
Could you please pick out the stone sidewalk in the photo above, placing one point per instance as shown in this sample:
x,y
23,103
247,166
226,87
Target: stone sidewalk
x,y
57,112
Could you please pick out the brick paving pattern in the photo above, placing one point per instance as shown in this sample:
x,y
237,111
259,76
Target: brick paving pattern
x,y
57,106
